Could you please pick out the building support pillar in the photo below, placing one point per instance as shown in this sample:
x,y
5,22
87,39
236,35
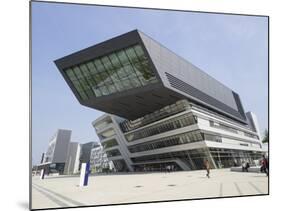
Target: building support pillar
x,y
211,158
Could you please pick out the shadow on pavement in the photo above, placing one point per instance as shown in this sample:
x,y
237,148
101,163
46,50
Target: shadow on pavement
x,y
23,204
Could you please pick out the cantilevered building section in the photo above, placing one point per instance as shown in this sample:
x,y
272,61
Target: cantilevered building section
x,y
132,75
162,110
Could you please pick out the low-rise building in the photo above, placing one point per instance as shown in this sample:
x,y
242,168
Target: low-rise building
x,y
72,161
99,161
56,155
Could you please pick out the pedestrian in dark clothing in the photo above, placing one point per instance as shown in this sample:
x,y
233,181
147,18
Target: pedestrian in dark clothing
x,y
247,167
207,166
265,165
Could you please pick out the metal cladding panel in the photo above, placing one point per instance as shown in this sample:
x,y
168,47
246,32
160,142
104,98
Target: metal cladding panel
x,y
167,61
99,49
71,159
85,154
191,81
61,148
129,104
253,122
137,102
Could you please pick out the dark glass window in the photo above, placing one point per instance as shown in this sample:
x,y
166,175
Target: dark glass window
x,y
121,70
184,138
172,124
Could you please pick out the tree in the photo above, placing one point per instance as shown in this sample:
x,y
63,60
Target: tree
x,y
265,138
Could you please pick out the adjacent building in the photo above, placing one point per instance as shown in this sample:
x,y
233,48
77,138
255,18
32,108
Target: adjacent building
x,y
85,154
78,154
73,158
65,157
56,155
161,109
99,161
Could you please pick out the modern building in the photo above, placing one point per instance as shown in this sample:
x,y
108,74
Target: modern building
x,y
99,161
114,144
82,153
56,155
85,153
73,156
161,109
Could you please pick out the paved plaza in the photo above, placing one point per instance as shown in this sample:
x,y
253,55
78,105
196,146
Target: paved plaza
x,y
61,191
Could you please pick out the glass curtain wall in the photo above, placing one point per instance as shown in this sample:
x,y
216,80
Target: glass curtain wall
x,y
120,165
172,124
179,139
229,157
193,158
179,106
121,70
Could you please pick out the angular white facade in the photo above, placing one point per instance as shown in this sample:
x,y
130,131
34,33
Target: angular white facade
x,y
112,140
181,135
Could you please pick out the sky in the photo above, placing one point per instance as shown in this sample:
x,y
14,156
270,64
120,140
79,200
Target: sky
x,y
231,48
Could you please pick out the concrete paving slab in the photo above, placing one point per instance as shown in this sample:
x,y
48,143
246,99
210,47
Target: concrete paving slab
x,y
135,187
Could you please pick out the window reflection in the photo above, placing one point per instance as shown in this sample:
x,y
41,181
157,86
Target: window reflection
x,y
122,70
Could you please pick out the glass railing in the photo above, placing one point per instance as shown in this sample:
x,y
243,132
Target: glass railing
x,y
171,124
167,111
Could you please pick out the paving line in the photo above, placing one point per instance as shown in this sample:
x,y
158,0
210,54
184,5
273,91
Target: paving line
x,y
49,196
221,189
238,189
76,203
256,188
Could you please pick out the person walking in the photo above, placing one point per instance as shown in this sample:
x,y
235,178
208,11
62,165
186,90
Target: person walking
x,y
265,165
207,166
247,166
